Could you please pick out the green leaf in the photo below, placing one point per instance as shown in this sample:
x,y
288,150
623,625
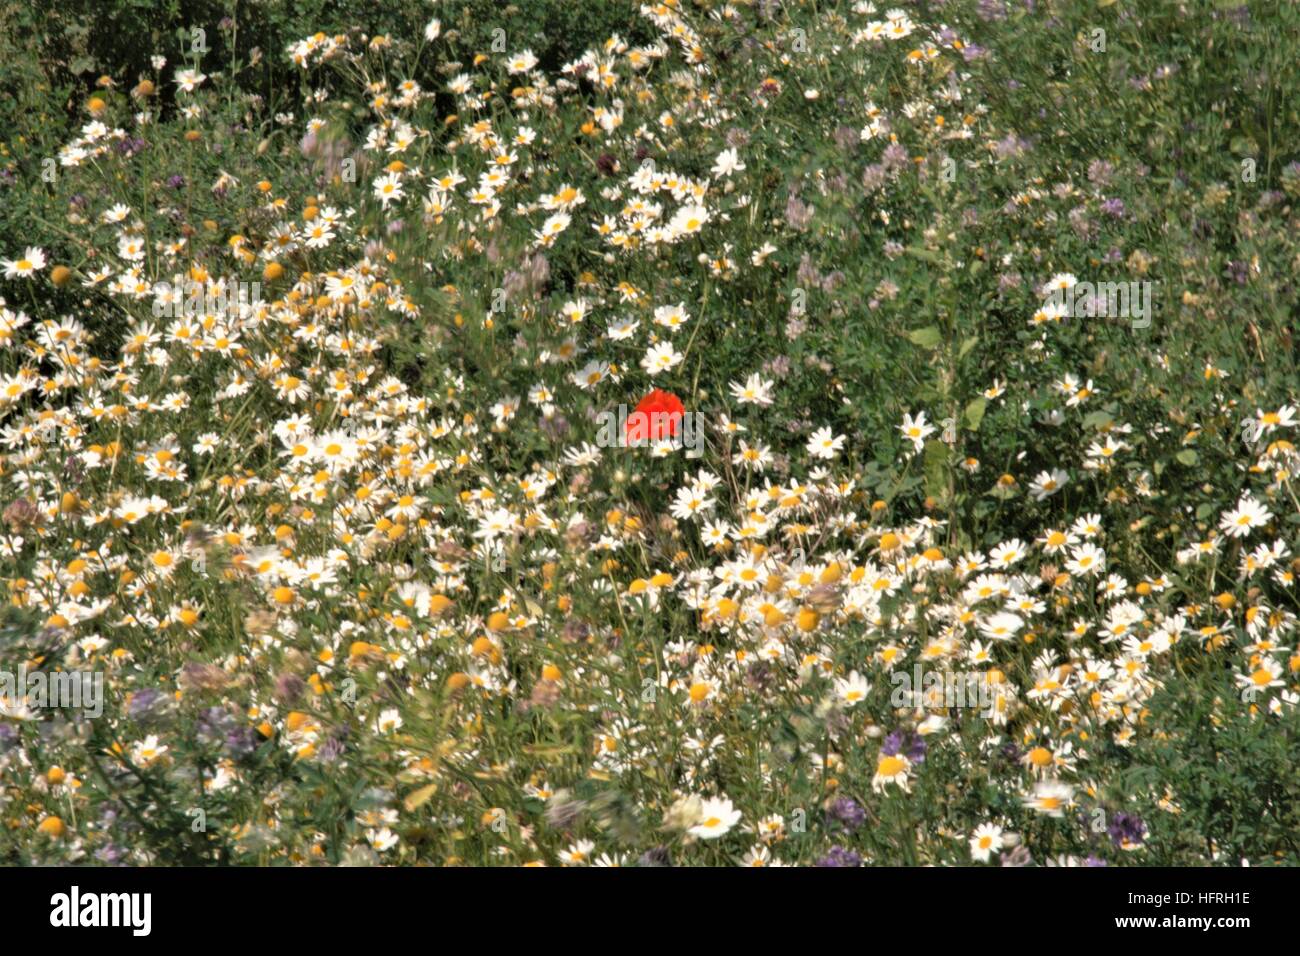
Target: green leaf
x,y
1098,419
936,468
1187,457
928,337
974,413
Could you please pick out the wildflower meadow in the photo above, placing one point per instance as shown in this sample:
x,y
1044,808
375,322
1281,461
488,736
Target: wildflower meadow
x,y
694,433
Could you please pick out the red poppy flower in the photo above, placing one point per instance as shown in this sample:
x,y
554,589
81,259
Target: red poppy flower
x,y
656,416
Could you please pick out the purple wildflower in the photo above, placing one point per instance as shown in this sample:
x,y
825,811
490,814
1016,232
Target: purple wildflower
x,y
839,856
846,812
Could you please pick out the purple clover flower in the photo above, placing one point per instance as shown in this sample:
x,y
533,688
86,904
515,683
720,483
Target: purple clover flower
x,y
847,813
839,856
